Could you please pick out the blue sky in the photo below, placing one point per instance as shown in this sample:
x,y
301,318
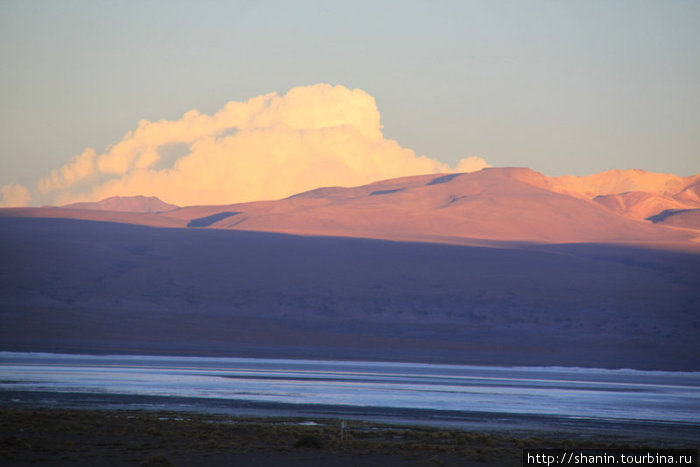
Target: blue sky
x,y
562,87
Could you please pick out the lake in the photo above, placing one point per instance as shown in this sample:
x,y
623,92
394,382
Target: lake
x,y
484,397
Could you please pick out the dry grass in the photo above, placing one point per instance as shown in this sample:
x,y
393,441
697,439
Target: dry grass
x,y
75,437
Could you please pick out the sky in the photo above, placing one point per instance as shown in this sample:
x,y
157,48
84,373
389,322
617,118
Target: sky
x,y
573,87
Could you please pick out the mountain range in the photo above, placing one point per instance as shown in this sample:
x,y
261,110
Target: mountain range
x,y
494,204
502,266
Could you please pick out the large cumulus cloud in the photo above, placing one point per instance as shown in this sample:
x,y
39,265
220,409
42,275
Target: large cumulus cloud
x,y
268,147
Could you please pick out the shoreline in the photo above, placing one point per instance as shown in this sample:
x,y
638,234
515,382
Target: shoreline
x,y
313,357
497,423
59,436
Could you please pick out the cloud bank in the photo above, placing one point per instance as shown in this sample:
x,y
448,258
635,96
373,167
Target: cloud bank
x,y
268,147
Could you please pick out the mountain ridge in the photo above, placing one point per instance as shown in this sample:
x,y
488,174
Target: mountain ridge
x,y
491,267
493,204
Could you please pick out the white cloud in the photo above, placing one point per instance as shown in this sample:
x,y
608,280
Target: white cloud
x,y
14,195
268,147
471,164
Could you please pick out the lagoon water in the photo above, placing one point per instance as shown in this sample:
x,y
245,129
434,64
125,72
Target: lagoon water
x,y
444,394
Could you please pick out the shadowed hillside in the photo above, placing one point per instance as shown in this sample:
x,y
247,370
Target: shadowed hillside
x,y
71,285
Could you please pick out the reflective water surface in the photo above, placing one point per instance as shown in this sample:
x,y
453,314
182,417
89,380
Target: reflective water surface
x,y
575,393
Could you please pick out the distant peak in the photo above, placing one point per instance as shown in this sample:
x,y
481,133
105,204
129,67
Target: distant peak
x,y
619,181
138,203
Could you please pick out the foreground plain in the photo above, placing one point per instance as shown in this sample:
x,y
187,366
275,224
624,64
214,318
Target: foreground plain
x,y
111,438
